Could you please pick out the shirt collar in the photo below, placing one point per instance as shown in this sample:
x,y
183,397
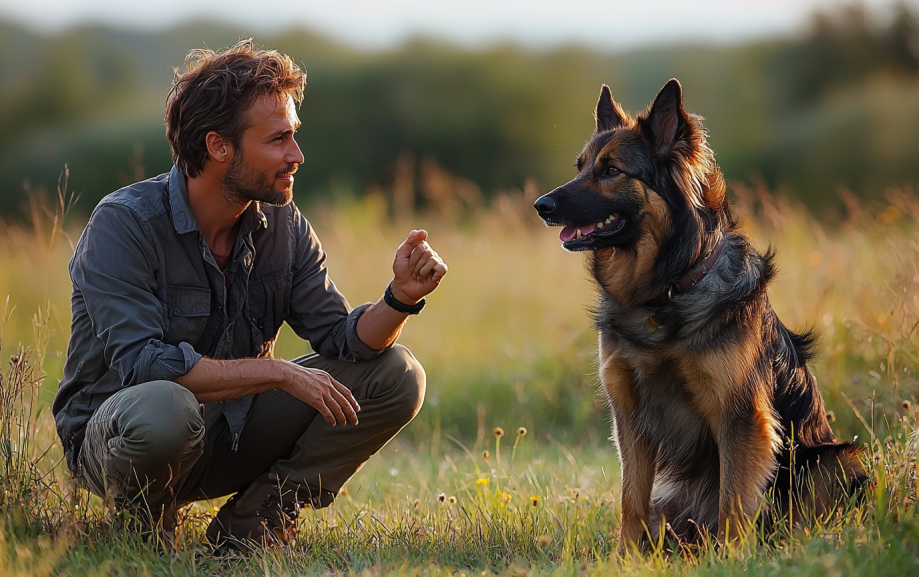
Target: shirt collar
x,y
184,220
182,217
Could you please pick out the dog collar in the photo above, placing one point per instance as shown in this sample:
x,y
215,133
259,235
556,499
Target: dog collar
x,y
693,278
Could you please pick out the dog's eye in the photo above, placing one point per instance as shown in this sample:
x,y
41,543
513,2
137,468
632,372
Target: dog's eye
x,y
613,171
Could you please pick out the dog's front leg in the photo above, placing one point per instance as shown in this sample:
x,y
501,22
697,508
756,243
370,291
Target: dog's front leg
x,y
636,456
746,448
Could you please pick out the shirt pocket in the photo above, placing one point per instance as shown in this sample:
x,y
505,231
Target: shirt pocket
x,y
269,301
187,311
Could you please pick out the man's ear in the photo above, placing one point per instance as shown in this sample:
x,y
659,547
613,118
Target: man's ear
x,y
219,149
609,114
665,122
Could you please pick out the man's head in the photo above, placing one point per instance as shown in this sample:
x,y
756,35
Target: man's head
x,y
237,108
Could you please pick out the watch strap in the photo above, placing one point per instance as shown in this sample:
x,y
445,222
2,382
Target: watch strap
x,y
403,308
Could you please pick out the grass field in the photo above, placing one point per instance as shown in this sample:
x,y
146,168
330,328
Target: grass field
x,y
507,343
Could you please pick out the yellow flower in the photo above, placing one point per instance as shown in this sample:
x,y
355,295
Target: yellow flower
x,y
505,497
482,481
534,500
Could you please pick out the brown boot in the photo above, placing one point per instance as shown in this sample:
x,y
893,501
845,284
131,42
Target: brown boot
x,y
262,515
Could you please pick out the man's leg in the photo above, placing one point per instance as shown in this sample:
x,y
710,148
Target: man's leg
x,y
288,454
140,442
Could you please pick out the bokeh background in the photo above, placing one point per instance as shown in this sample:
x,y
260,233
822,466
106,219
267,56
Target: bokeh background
x,y
813,96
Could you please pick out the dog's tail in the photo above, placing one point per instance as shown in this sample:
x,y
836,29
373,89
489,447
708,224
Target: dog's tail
x,y
817,480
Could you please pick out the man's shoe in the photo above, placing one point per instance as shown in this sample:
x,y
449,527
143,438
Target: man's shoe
x,y
263,515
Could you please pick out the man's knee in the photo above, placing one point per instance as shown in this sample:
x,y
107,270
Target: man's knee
x,y
159,422
407,379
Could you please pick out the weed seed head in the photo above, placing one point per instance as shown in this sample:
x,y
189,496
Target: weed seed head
x,y
499,432
485,455
452,500
830,416
907,405
441,497
521,432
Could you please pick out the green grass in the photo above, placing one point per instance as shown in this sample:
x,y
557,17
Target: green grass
x,y
506,342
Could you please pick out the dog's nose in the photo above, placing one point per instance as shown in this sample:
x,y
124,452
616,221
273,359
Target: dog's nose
x,y
544,204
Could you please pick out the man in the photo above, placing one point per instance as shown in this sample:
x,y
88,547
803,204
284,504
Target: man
x,y
180,285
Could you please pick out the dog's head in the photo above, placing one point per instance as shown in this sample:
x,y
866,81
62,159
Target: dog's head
x,y
652,175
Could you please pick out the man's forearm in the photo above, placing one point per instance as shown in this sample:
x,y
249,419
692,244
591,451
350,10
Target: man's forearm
x,y
212,380
380,325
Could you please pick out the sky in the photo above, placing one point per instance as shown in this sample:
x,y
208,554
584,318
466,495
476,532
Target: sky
x,y
375,24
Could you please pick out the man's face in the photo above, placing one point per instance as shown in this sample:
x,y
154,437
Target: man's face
x,y
264,163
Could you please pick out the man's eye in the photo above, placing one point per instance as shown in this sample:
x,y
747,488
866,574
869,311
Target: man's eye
x,y
613,171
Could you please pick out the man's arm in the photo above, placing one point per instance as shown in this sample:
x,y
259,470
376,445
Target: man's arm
x,y
213,380
417,271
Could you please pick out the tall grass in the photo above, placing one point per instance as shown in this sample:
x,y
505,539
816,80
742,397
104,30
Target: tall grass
x,y
506,342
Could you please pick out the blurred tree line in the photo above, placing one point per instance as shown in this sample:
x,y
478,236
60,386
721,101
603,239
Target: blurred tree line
x,y
835,107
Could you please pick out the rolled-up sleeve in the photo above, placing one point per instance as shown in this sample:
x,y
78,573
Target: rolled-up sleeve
x,y
111,268
318,312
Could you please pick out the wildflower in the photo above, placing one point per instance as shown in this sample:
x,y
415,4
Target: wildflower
x,y
499,432
452,500
521,432
441,497
485,455
534,500
482,481
505,496
830,416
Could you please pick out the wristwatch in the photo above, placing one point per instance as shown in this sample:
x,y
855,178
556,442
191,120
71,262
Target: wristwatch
x,y
394,303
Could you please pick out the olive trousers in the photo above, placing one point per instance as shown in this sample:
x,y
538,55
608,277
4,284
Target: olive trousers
x,y
153,445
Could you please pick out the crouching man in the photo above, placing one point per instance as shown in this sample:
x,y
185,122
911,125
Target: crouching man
x,y
180,284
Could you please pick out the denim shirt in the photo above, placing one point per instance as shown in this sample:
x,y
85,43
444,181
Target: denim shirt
x,y
149,300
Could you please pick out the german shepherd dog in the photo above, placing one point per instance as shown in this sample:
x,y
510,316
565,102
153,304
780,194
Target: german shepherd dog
x,y
711,397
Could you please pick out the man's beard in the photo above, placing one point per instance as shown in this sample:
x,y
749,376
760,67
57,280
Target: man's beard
x,y
243,184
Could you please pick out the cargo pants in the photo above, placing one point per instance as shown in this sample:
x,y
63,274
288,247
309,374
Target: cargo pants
x,y
153,445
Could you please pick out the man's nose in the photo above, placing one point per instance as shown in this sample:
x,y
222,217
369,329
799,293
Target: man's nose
x,y
294,154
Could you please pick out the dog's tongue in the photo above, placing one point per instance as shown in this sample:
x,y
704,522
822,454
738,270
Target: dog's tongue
x,y
569,232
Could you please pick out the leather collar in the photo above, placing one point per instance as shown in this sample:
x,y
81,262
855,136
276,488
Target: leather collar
x,y
692,279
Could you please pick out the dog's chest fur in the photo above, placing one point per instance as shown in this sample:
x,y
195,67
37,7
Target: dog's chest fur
x,y
649,366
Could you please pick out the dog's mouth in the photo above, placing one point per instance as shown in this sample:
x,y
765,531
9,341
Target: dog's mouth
x,y
585,237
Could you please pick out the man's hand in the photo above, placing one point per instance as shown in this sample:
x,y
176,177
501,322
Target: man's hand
x,y
417,269
319,390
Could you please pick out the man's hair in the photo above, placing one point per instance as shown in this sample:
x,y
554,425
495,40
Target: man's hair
x,y
216,92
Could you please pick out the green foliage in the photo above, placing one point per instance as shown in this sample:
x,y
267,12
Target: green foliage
x,y
836,107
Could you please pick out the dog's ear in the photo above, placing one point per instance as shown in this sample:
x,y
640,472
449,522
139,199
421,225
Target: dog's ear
x,y
665,122
609,114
